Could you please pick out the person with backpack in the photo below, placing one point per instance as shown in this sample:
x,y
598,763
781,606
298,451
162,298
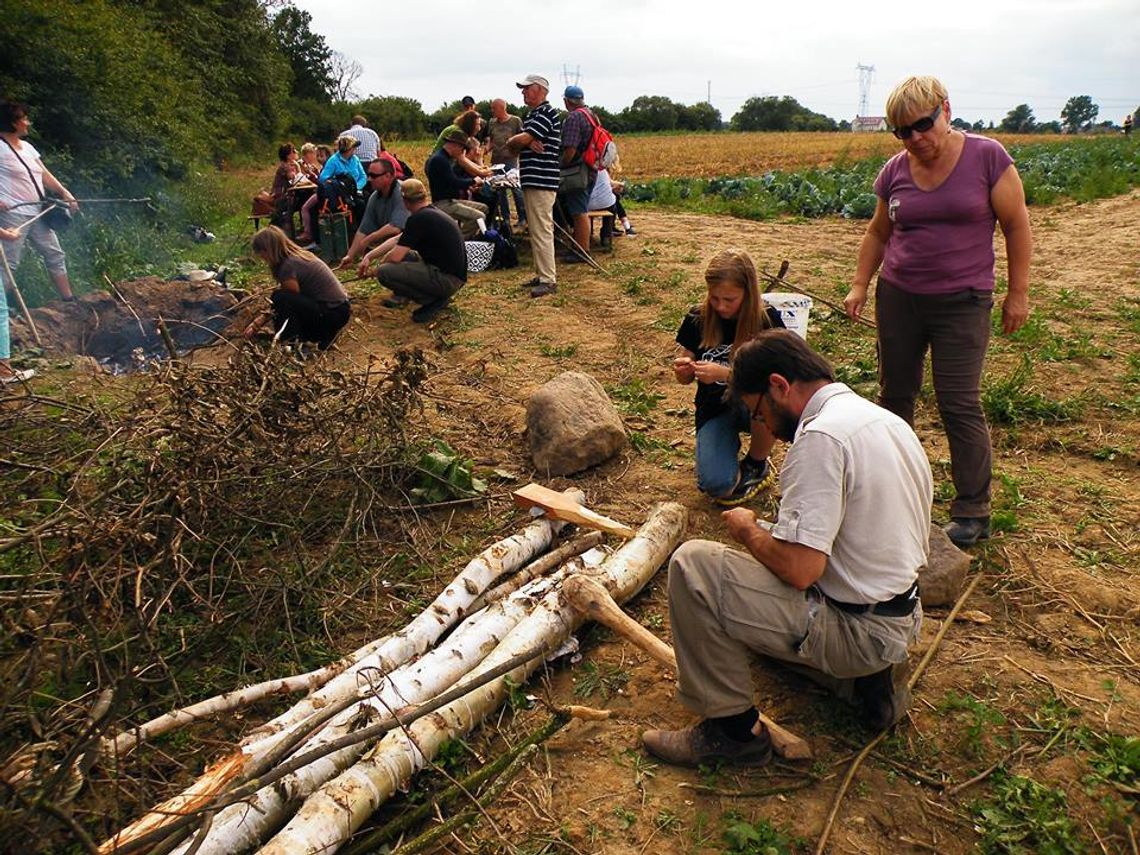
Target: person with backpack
x,y
577,176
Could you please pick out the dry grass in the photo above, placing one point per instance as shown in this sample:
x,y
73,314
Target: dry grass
x,y
708,155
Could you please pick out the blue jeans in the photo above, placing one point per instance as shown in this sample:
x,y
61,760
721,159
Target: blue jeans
x,y
718,444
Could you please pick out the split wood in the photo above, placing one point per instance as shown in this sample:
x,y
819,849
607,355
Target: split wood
x,y
780,280
911,683
591,598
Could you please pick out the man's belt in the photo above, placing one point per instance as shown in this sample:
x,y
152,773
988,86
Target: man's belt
x,y
900,605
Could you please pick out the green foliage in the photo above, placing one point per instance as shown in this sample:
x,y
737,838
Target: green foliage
x,y
1012,400
771,113
1079,113
635,399
604,681
1117,758
1026,818
443,474
754,838
309,56
1019,120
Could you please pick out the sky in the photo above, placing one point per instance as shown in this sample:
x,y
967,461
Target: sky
x,y
990,55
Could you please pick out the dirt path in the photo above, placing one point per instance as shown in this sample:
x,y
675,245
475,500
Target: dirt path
x,y
1056,654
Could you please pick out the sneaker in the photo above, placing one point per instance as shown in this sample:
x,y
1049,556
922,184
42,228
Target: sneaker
x,y
395,302
631,231
429,310
542,289
754,478
706,744
883,697
964,532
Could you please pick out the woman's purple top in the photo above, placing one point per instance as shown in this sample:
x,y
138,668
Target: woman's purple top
x,y
942,240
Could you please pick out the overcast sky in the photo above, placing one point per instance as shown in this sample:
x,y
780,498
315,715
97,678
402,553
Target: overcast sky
x,y
991,54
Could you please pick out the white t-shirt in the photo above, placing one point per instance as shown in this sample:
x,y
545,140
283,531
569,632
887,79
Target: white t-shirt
x,y
602,196
857,486
15,185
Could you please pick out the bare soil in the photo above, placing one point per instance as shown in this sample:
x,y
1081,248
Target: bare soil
x,y
1053,623
1049,646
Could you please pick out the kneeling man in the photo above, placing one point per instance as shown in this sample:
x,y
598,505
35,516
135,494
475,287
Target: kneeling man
x,y
429,263
831,586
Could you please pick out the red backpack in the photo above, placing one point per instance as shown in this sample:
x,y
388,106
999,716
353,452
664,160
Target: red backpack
x,y
601,151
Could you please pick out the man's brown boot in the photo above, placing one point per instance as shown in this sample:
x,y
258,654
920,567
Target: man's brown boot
x,y
706,744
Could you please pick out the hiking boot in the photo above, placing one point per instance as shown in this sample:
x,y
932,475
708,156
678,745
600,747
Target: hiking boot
x,y
395,302
706,744
530,283
882,697
964,532
542,289
755,477
429,310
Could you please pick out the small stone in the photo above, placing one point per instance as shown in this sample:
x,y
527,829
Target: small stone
x,y
572,425
940,581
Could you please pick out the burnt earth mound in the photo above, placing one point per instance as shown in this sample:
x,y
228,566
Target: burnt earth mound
x,y
120,329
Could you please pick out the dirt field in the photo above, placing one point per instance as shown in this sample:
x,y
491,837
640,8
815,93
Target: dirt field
x,y
1034,682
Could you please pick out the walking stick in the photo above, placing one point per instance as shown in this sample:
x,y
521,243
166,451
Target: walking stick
x,y
20,297
582,254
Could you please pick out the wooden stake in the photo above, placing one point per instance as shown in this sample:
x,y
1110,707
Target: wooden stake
x,y
20,297
590,597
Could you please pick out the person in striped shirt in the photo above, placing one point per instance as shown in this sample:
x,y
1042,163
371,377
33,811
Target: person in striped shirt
x,y
539,146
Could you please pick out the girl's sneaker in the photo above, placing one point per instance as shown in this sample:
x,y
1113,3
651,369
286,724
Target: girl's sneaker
x,y
755,477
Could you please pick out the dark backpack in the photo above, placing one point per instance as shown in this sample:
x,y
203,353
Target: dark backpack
x,y
504,256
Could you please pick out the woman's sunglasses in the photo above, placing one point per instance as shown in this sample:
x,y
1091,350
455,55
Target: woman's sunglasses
x,y
923,125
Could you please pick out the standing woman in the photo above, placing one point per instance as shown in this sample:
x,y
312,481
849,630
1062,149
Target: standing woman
x,y
310,303
24,181
933,233
732,314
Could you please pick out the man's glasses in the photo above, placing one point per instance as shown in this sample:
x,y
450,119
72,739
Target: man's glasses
x,y
377,174
923,125
756,415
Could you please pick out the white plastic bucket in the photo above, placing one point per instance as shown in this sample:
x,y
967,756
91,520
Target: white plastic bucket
x,y
794,310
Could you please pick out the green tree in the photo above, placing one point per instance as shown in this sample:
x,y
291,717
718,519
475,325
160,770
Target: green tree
x,y
309,56
1019,120
699,117
395,117
771,113
651,113
1079,113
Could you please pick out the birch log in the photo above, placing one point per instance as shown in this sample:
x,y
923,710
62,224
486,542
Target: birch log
x,y
245,824
424,630
330,815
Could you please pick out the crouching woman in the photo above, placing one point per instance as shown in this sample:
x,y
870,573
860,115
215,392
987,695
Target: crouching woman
x,y
309,304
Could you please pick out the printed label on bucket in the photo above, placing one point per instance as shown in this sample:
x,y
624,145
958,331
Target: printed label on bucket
x,y
794,310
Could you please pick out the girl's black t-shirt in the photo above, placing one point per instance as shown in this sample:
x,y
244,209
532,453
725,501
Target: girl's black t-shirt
x,y
710,400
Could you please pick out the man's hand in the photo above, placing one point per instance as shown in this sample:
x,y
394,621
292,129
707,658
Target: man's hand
x,y
536,146
363,269
741,524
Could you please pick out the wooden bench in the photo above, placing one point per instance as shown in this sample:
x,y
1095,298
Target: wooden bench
x,y
606,236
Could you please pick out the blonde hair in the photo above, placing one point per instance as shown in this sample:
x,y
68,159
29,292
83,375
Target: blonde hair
x,y
308,147
914,95
275,246
733,266
345,144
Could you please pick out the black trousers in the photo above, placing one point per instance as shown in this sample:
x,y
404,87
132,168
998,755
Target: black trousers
x,y
306,319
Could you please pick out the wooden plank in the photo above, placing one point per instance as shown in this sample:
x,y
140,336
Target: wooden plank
x,y
559,506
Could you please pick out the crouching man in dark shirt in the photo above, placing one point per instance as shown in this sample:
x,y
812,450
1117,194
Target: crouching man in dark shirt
x,y
429,262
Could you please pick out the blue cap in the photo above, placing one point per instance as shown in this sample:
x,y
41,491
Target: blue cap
x,y
574,93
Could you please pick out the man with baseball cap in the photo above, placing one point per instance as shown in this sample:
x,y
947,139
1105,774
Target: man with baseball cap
x,y
449,187
429,263
577,132
539,144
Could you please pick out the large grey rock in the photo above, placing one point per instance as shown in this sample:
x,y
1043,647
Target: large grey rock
x,y
940,581
572,425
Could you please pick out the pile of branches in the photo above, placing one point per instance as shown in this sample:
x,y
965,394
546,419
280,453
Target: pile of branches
x,y
191,525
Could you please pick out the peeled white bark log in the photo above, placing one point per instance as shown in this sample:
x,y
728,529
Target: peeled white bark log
x,y
242,826
117,746
503,557
330,815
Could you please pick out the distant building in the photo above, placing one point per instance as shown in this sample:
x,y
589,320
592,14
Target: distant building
x,y
869,124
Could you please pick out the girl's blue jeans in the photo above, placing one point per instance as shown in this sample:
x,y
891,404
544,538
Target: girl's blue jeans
x,y
718,446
